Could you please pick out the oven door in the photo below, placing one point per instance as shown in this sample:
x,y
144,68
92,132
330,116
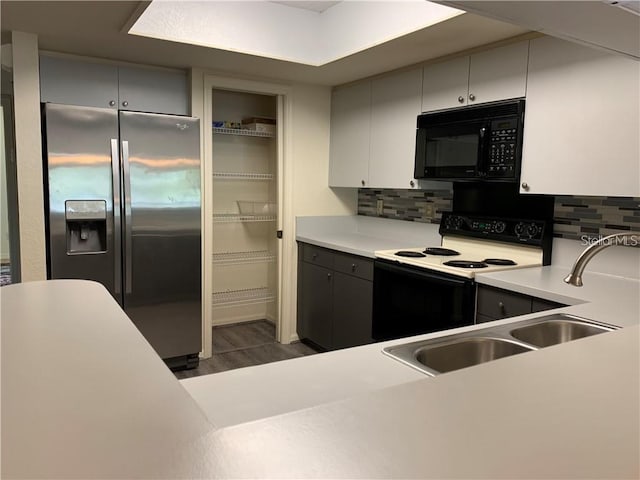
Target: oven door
x,y
410,301
452,151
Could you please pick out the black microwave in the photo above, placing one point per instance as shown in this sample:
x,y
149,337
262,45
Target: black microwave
x,y
480,142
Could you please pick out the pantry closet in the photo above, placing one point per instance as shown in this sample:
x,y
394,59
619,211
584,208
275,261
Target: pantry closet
x,y
245,206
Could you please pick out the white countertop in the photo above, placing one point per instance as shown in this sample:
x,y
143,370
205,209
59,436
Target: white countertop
x,y
83,395
360,235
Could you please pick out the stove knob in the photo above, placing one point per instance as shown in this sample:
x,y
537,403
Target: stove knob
x,y
499,227
520,228
532,230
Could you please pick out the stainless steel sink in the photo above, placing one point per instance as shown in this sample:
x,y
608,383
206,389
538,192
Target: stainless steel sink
x,y
466,353
462,350
555,329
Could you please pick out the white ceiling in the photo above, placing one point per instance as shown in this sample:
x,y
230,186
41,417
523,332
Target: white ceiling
x,y
275,30
319,6
98,29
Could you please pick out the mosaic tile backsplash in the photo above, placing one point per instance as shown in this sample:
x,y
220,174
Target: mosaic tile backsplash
x,y
574,217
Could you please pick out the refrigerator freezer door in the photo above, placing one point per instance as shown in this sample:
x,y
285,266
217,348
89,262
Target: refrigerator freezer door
x,y
80,143
161,229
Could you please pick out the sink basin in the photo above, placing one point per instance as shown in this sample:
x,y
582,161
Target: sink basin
x,y
466,353
448,354
462,350
556,329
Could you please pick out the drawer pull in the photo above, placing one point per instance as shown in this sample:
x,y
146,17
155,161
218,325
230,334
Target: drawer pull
x,y
353,267
314,256
501,306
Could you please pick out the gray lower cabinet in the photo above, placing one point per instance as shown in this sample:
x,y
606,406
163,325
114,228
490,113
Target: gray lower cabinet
x,y
496,304
335,296
315,293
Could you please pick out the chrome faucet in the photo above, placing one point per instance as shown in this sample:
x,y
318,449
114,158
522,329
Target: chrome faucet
x,y
575,277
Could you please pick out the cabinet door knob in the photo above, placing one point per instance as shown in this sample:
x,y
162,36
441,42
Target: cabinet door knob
x,y
461,99
501,306
353,267
328,276
525,186
314,256
472,97
112,103
125,104
412,183
362,181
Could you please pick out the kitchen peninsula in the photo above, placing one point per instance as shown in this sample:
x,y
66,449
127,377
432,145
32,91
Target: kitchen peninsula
x,y
104,405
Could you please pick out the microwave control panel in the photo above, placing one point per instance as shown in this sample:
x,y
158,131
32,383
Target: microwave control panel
x,y
502,148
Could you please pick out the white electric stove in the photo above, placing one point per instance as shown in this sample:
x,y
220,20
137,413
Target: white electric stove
x,y
421,289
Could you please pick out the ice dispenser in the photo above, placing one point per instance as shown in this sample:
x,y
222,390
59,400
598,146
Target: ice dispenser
x,y
86,226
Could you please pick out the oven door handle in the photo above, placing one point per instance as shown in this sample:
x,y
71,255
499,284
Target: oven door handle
x,y
419,273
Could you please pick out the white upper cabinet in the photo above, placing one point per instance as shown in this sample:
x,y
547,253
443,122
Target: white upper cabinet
x,y
72,82
78,83
350,136
581,121
395,105
156,91
445,84
496,74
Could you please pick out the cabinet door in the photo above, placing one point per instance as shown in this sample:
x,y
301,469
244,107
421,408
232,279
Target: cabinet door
x,y
497,304
350,136
395,105
445,85
315,305
70,82
499,73
154,91
581,121
352,311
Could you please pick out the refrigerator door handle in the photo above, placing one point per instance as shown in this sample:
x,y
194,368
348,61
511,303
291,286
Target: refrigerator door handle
x,y
126,183
117,235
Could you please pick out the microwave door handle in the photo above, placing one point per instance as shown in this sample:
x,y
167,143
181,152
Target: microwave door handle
x,y
482,147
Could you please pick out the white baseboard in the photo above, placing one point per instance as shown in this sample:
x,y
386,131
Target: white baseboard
x,y
238,319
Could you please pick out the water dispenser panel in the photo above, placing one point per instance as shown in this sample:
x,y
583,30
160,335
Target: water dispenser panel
x,y
86,225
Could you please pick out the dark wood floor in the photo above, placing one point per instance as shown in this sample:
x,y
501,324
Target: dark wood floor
x,y
245,345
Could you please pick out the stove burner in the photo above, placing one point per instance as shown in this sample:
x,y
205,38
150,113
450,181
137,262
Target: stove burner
x,y
409,253
499,261
445,252
465,264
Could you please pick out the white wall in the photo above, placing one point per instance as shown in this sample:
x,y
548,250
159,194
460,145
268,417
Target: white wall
x,y
311,194
26,89
4,211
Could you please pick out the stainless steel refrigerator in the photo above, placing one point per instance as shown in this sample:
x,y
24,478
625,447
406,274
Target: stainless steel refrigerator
x,y
123,192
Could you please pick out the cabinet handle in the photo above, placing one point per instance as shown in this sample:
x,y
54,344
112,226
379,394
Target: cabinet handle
x,y
125,104
353,267
112,103
362,181
314,256
472,97
525,186
501,306
412,183
461,99
328,276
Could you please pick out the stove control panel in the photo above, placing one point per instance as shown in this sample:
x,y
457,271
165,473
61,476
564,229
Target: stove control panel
x,y
530,232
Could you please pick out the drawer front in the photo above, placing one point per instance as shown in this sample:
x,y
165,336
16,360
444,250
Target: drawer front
x,y
539,305
317,255
483,319
497,304
353,265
